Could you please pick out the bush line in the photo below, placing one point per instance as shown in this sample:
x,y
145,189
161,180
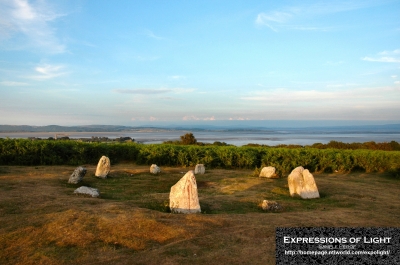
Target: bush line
x,y
47,152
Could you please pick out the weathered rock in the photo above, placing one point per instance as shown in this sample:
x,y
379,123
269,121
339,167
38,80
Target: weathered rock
x,y
199,169
87,191
268,172
301,183
183,197
270,206
103,167
77,175
154,169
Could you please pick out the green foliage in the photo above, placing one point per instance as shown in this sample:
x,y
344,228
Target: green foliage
x,y
188,138
385,146
50,152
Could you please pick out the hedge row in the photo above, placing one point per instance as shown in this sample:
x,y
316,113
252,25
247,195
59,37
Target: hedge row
x,y
47,152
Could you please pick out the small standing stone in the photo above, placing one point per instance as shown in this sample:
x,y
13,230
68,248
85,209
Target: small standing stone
x,y
183,197
199,169
154,169
301,183
270,206
103,167
77,175
268,172
87,191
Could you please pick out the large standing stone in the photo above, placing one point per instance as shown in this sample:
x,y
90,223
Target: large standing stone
x,y
87,191
103,167
199,169
268,172
154,169
77,175
183,197
301,183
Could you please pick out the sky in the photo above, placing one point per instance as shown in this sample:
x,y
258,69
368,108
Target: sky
x,y
81,62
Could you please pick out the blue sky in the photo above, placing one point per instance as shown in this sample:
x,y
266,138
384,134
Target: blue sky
x,y
76,62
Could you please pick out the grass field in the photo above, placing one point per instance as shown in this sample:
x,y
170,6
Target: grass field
x,y
43,222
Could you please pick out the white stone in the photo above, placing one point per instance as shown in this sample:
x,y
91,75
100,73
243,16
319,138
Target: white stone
x,y
77,175
154,169
301,183
199,169
87,191
183,197
268,172
103,167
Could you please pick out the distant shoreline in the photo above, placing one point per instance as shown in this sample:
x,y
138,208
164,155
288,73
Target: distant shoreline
x,y
233,137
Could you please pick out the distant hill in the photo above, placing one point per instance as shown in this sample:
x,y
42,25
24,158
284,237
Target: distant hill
x,y
57,128
388,128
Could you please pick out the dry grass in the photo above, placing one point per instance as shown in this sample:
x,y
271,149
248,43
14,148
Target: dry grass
x,y
43,222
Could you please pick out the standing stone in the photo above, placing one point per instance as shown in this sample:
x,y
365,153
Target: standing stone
x,y
268,172
103,167
270,206
200,169
154,169
301,183
87,191
77,175
183,197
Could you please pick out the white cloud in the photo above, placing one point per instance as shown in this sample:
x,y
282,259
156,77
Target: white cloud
x,y
151,34
12,83
190,118
143,91
338,96
195,118
382,59
171,98
390,52
239,119
179,90
341,85
297,17
153,91
47,71
33,21
271,18
385,57
212,118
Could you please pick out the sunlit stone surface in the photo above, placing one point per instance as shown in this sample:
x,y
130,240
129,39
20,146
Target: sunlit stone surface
x,y
183,197
103,167
301,183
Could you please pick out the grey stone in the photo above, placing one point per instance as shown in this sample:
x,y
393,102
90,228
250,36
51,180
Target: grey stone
x,y
199,169
87,191
77,175
154,169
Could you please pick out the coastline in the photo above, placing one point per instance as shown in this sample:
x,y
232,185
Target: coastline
x,y
234,137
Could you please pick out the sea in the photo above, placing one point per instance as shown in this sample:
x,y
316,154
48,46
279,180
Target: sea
x,y
233,137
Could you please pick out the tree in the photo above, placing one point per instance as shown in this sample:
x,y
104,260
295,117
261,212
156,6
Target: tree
x,y
188,139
